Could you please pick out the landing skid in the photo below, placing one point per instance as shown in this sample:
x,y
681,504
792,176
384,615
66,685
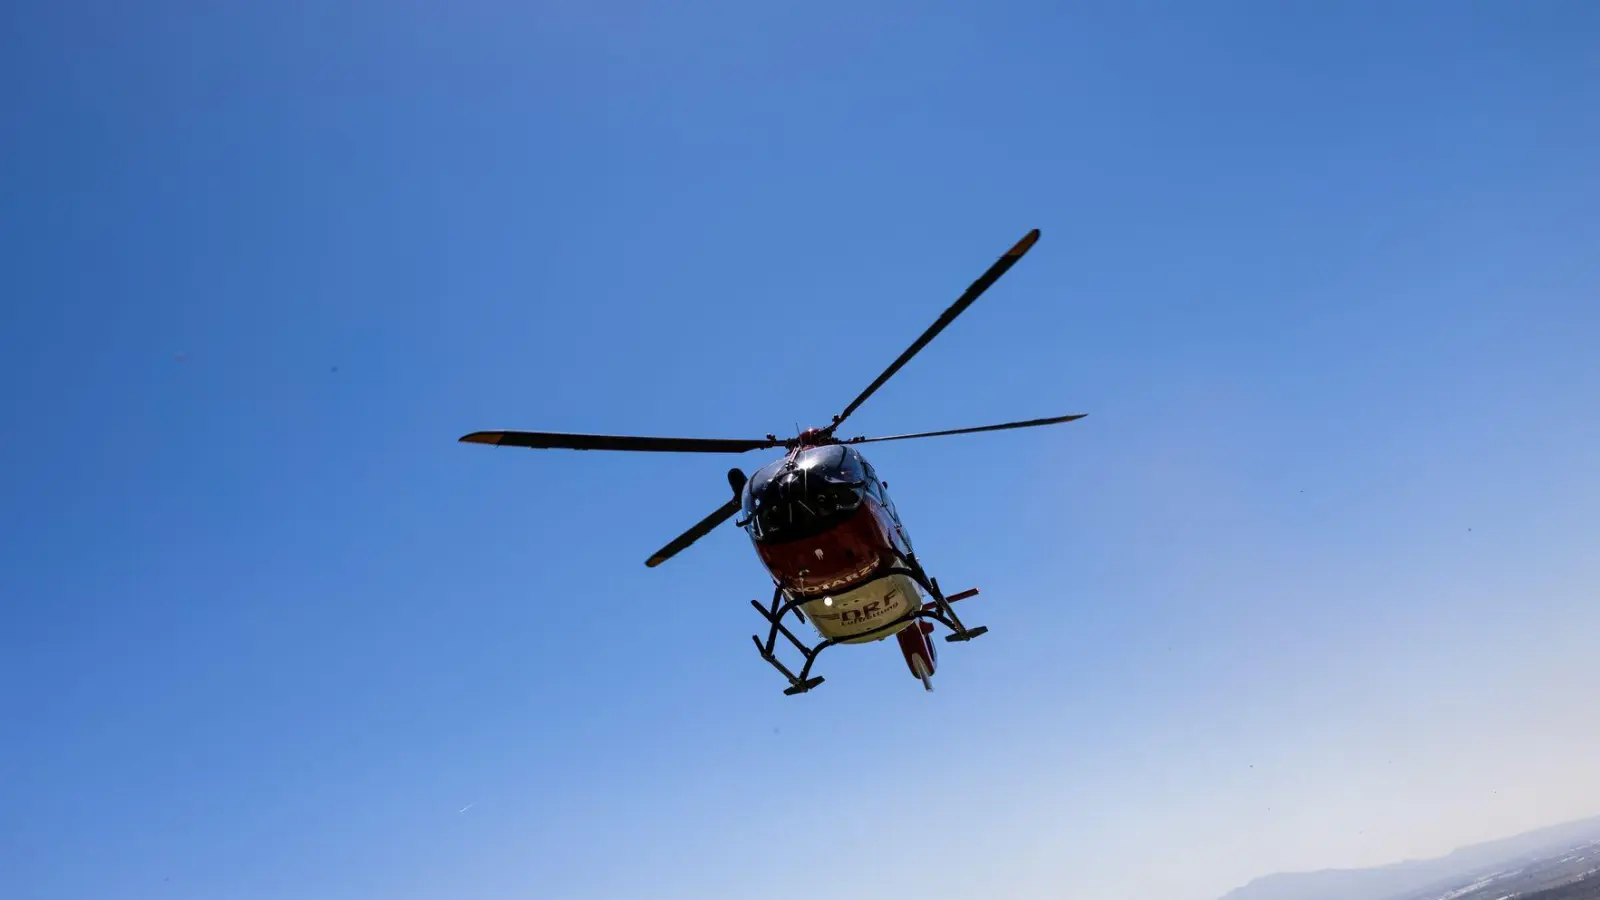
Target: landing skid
x,y
939,611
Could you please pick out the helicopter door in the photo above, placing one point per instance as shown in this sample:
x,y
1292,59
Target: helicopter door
x,y
880,492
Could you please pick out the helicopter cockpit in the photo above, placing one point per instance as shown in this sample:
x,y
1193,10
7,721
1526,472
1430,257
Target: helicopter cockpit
x,y
787,499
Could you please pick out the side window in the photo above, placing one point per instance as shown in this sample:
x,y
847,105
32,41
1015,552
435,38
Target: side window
x,y
874,490
881,494
888,503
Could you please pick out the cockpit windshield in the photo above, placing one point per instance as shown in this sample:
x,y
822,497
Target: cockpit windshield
x,y
792,499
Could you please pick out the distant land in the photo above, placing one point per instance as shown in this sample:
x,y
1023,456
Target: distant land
x,y
1561,862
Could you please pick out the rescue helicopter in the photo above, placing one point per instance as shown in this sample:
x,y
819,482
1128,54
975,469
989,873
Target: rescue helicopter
x,y
823,525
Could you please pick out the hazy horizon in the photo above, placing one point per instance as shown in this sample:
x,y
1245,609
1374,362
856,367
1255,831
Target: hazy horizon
x,y
1581,820
1312,586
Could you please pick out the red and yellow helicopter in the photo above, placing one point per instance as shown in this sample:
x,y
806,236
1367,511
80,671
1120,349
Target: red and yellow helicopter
x,y
823,525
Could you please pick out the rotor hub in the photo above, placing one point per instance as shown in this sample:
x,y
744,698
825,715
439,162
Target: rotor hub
x,y
813,437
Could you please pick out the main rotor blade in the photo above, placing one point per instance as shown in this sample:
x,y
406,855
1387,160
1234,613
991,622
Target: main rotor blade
x,y
1028,424
736,480
551,440
700,530
973,292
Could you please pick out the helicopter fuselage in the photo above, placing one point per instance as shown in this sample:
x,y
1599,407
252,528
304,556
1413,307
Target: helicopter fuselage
x,y
829,535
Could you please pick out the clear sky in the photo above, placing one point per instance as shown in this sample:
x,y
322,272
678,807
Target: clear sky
x,y
1314,584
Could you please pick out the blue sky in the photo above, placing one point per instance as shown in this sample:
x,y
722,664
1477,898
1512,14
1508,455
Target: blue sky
x,y
1312,586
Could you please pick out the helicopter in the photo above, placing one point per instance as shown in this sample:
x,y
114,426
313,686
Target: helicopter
x,y
823,524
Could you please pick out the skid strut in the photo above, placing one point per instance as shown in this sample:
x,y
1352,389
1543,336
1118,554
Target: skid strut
x,y
938,610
